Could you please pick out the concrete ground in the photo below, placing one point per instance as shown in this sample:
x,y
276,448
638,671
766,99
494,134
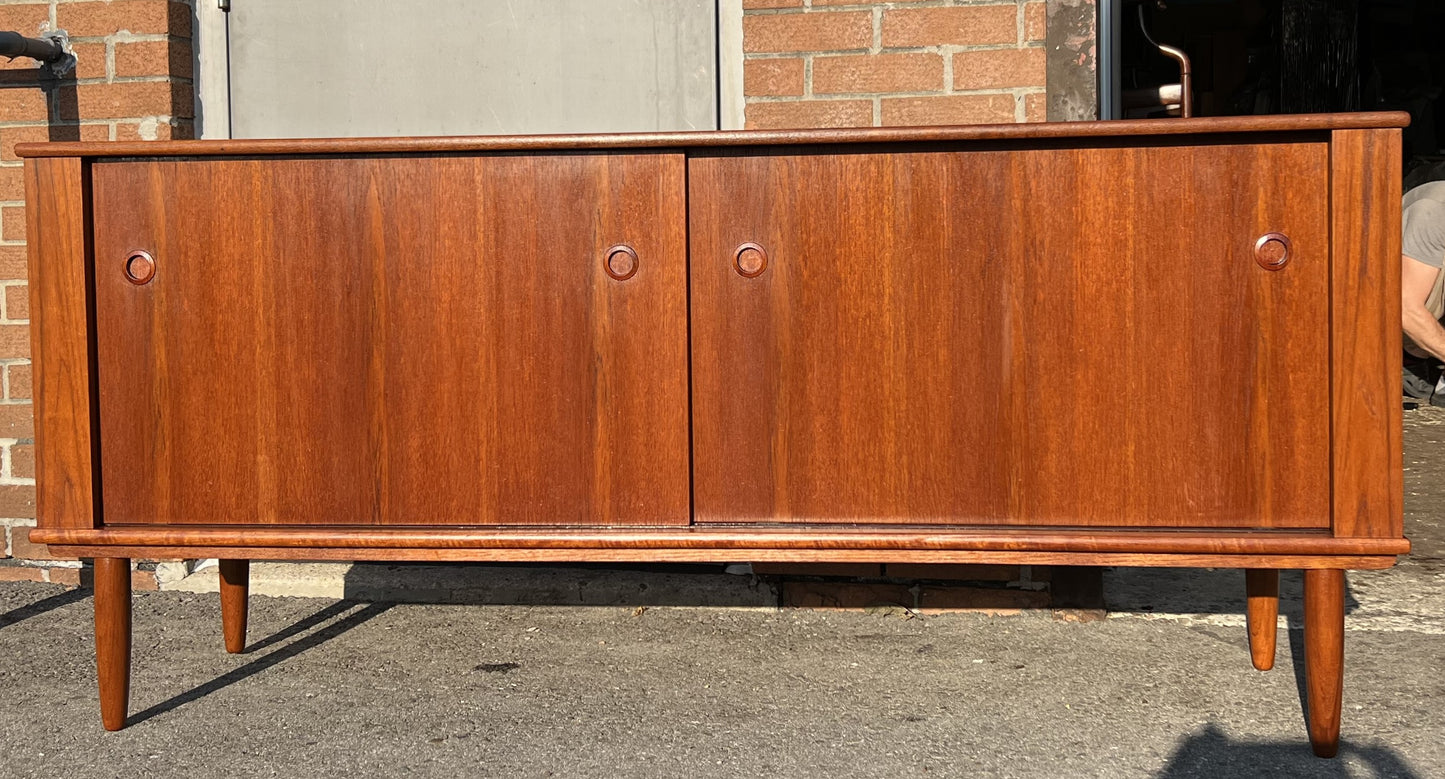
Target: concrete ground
x,y
344,687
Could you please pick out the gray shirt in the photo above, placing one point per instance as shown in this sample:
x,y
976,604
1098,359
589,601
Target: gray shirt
x,y
1424,223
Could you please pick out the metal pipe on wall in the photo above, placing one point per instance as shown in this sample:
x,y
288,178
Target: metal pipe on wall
x,y
13,44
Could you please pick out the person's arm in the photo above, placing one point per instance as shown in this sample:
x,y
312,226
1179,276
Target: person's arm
x,y
1416,281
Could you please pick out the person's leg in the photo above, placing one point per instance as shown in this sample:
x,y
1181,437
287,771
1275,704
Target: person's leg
x,y
1435,304
1421,379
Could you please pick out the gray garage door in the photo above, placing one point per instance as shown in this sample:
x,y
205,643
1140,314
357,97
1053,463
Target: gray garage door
x,y
323,68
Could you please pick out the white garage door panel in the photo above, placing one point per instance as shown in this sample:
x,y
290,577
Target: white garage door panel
x,y
335,68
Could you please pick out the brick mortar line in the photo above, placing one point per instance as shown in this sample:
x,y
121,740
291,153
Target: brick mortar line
x,y
24,124
1011,91
962,47
5,309
43,125
85,82
857,7
801,52
141,37
121,36
912,50
945,50
939,48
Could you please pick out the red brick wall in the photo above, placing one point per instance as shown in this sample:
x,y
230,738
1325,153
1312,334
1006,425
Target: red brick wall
x,y
132,81
847,63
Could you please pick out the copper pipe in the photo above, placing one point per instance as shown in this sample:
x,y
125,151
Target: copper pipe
x,y
1186,76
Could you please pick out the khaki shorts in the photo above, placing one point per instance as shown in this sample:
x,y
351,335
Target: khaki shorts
x,y
1435,304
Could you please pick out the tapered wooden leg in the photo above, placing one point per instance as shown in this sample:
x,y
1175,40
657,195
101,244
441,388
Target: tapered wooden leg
x,y
1262,614
112,638
1324,656
235,585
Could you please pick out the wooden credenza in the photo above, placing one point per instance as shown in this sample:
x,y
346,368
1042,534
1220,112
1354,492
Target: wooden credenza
x,y
1165,343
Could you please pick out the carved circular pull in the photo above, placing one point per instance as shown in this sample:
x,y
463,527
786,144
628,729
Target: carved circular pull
x,y
621,262
1271,251
140,267
750,260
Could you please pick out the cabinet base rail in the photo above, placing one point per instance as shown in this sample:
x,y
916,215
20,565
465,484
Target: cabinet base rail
x,y
707,544
712,543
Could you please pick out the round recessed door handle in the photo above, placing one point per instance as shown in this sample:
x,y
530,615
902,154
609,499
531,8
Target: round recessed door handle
x,y
140,267
1271,251
750,260
621,262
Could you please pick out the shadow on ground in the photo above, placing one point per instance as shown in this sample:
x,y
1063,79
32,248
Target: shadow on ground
x,y
524,584
1211,753
345,615
41,606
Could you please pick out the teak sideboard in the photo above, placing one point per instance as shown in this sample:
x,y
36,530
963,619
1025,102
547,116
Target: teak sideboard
x,y
1163,343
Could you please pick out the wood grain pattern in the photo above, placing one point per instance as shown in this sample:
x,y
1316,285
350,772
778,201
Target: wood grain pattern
x,y
235,586
699,140
1324,657
112,638
1366,423
1034,337
1262,614
394,341
803,555
721,540
66,467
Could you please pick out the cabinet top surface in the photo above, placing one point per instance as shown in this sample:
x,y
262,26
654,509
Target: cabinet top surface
x,y
1054,131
